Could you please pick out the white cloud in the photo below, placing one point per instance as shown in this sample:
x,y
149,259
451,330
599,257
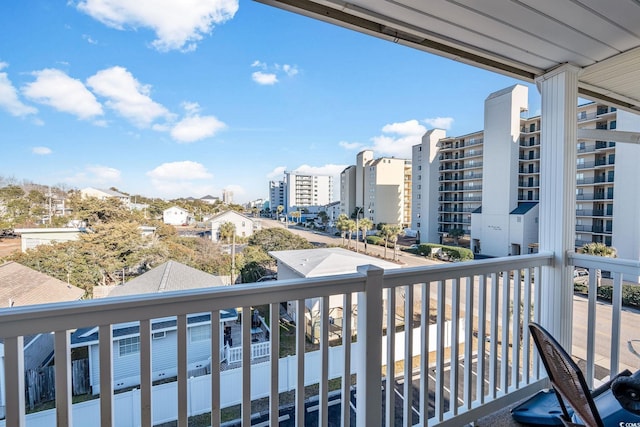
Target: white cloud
x,y
264,78
178,25
277,173
350,145
181,179
89,39
195,128
95,175
42,151
127,96
9,100
54,88
404,135
185,170
439,122
270,73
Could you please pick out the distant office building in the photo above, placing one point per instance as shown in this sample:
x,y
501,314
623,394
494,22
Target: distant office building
x,y
227,196
487,183
276,195
381,188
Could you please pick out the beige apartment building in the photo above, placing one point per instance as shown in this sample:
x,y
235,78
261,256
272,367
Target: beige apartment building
x,y
487,183
380,187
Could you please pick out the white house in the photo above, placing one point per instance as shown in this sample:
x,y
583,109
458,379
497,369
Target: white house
x,y
169,276
175,215
104,194
322,262
32,237
245,226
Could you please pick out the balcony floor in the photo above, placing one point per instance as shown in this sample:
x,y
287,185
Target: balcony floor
x,y
502,418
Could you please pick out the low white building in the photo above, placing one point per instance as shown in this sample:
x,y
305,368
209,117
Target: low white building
x,y
244,225
32,237
104,194
296,264
175,215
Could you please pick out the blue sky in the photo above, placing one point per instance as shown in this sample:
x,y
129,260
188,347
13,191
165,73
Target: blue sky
x,y
198,96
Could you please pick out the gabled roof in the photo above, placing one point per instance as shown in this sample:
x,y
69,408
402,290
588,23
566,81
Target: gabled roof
x,y
20,285
327,261
169,276
106,191
225,214
177,208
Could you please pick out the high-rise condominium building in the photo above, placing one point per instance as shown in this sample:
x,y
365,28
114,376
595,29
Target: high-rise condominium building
x,y
487,183
379,188
276,195
304,190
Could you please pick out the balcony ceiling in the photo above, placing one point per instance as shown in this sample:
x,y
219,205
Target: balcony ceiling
x,y
520,38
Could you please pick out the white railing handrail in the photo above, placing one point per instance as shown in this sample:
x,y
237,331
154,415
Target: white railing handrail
x,y
624,266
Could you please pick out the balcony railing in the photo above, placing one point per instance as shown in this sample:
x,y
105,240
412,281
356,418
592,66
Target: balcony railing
x,y
469,316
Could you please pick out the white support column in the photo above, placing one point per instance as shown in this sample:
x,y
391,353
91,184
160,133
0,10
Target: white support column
x,y
559,97
369,378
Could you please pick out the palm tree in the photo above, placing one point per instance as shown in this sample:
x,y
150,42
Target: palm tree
x,y
279,210
599,249
351,227
390,232
227,230
456,234
365,225
343,225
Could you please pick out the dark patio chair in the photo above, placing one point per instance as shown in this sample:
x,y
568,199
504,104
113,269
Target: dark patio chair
x,y
566,378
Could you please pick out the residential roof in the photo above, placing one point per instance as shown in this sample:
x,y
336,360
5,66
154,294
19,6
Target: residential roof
x,y
169,276
106,191
221,215
523,208
176,207
20,285
327,261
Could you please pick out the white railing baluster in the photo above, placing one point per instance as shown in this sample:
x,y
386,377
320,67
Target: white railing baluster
x,y
106,375
455,334
146,412
346,372
183,414
440,345
63,378
425,321
482,338
246,366
215,368
616,318
493,344
390,394
468,340
274,341
408,356
526,341
504,316
323,395
300,341
515,330
537,310
14,381
591,327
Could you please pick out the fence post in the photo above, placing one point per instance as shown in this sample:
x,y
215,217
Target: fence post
x,y
369,376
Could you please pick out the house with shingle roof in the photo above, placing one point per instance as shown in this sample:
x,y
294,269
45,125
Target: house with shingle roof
x,y
20,286
175,215
170,276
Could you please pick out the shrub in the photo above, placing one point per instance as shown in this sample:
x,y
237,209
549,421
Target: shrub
x,y
630,293
455,253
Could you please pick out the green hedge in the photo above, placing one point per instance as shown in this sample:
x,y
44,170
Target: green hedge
x,y
630,293
454,252
377,240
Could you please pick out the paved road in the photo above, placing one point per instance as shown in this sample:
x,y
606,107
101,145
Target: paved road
x,y
405,258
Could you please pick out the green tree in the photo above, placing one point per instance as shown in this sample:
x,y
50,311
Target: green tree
x,y
456,234
342,224
279,210
324,218
365,224
390,233
351,227
256,264
599,249
278,239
